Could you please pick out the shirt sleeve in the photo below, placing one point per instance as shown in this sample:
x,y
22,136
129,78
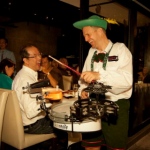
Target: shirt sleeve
x,y
118,74
28,102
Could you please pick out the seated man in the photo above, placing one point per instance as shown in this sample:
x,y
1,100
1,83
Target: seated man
x,y
49,72
35,120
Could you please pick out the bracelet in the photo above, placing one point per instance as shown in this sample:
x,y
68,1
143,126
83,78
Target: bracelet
x,y
48,73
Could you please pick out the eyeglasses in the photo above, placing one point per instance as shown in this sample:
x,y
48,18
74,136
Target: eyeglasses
x,y
35,55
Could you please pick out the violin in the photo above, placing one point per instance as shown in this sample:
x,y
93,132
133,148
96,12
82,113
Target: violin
x,y
53,95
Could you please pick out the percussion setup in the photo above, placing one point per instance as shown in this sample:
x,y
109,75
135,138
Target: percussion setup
x,y
69,112
60,114
75,114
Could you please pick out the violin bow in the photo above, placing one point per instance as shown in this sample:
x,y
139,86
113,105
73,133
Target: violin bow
x,y
78,73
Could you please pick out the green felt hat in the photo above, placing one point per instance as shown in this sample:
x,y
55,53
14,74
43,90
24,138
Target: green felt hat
x,y
94,20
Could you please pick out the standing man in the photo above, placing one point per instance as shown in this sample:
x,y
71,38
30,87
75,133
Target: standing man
x,y
111,64
34,119
4,52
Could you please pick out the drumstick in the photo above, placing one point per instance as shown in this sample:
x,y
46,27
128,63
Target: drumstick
x,y
78,73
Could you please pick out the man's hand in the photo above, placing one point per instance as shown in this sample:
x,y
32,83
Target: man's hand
x,y
43,69
84,95
89,76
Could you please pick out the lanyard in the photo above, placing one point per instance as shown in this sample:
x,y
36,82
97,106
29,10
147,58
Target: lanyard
x,y
92,61
104,61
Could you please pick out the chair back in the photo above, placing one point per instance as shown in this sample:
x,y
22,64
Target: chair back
x,y
67,81
3,99
13,132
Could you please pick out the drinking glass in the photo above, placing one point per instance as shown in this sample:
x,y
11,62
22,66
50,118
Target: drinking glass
x,y
75,89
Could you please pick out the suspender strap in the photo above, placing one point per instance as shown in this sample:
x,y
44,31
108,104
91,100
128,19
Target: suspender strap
x,y
105,58
92,61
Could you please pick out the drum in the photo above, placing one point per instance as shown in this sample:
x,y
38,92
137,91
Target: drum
x,y
60,114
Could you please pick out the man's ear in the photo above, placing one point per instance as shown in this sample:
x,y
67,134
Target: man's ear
x,y
25,60
100,29
6,68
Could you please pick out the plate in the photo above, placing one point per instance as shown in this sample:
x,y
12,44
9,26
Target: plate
x,y
68,94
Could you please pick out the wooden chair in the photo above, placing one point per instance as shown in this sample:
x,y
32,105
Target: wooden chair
x,y
13,132
3,99
67,81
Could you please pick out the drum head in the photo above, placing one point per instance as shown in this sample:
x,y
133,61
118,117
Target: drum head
x,y
60,114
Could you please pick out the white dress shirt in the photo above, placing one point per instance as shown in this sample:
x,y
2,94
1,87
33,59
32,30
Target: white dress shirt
x,y
118,74
28,104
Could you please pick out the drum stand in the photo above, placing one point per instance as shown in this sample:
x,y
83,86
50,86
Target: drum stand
x,y
74,137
